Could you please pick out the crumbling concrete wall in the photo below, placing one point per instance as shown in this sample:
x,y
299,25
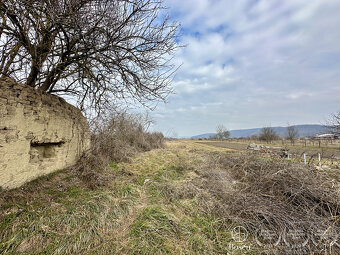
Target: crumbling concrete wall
x,y
39,134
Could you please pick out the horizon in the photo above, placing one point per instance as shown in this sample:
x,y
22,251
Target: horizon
x,y
244,129
252,64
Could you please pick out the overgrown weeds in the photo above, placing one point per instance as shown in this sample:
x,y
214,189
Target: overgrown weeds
x,y
116,137
198,200
298,205
285,207
78,210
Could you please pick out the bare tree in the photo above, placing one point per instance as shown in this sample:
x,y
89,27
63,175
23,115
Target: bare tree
x,y
254,137
97,50
268,134
292,133
335,123
222,132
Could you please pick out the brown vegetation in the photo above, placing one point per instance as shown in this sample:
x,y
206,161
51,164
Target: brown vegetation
x,y
292,134
116,138
268,134
265,194
335,123
186,198
222,132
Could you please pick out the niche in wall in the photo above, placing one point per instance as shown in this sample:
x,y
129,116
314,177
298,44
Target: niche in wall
x,y
44,151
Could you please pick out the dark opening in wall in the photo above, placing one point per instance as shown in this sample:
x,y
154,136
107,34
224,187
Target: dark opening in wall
x,y
41,151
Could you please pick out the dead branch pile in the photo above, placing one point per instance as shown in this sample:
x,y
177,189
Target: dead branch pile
x,y
296,203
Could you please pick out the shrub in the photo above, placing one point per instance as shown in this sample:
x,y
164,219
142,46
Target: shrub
x,y
116,137
268,134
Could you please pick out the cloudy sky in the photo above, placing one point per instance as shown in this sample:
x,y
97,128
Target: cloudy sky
x,y
253,63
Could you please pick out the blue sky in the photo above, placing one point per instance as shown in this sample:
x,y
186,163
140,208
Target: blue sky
x,y
253,63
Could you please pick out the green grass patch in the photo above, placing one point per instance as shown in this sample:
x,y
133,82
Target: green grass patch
x,y
153,232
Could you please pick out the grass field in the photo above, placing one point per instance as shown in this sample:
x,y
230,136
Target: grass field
x,y
166,201
329,150
330,154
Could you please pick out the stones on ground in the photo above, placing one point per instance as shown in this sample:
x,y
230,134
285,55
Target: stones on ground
x,y
146,181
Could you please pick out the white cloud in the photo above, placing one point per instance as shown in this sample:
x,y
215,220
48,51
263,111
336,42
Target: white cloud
x,y
248,63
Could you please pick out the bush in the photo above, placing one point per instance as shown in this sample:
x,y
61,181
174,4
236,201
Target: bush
x,y
268,134
254,137
116,138
120,136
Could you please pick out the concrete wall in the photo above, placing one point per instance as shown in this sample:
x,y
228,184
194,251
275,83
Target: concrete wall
x,y
39,134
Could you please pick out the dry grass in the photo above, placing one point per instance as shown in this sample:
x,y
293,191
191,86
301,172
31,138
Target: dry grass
x,y
115,138
266,194
186,198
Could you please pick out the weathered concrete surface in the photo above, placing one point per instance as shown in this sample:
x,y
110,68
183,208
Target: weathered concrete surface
x,y
39,134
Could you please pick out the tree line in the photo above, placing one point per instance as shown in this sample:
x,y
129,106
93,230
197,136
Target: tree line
x,y
268,134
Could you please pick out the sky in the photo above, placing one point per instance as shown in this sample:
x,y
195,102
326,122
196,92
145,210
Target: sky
x,y
252,63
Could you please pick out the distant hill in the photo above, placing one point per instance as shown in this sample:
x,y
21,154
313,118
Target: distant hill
x,y
304,131
207,135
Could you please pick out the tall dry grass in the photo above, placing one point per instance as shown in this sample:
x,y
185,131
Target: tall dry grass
x,y
116,137
297,204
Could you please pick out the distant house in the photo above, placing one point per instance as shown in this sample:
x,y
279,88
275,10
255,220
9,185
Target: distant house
x,y
327,136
